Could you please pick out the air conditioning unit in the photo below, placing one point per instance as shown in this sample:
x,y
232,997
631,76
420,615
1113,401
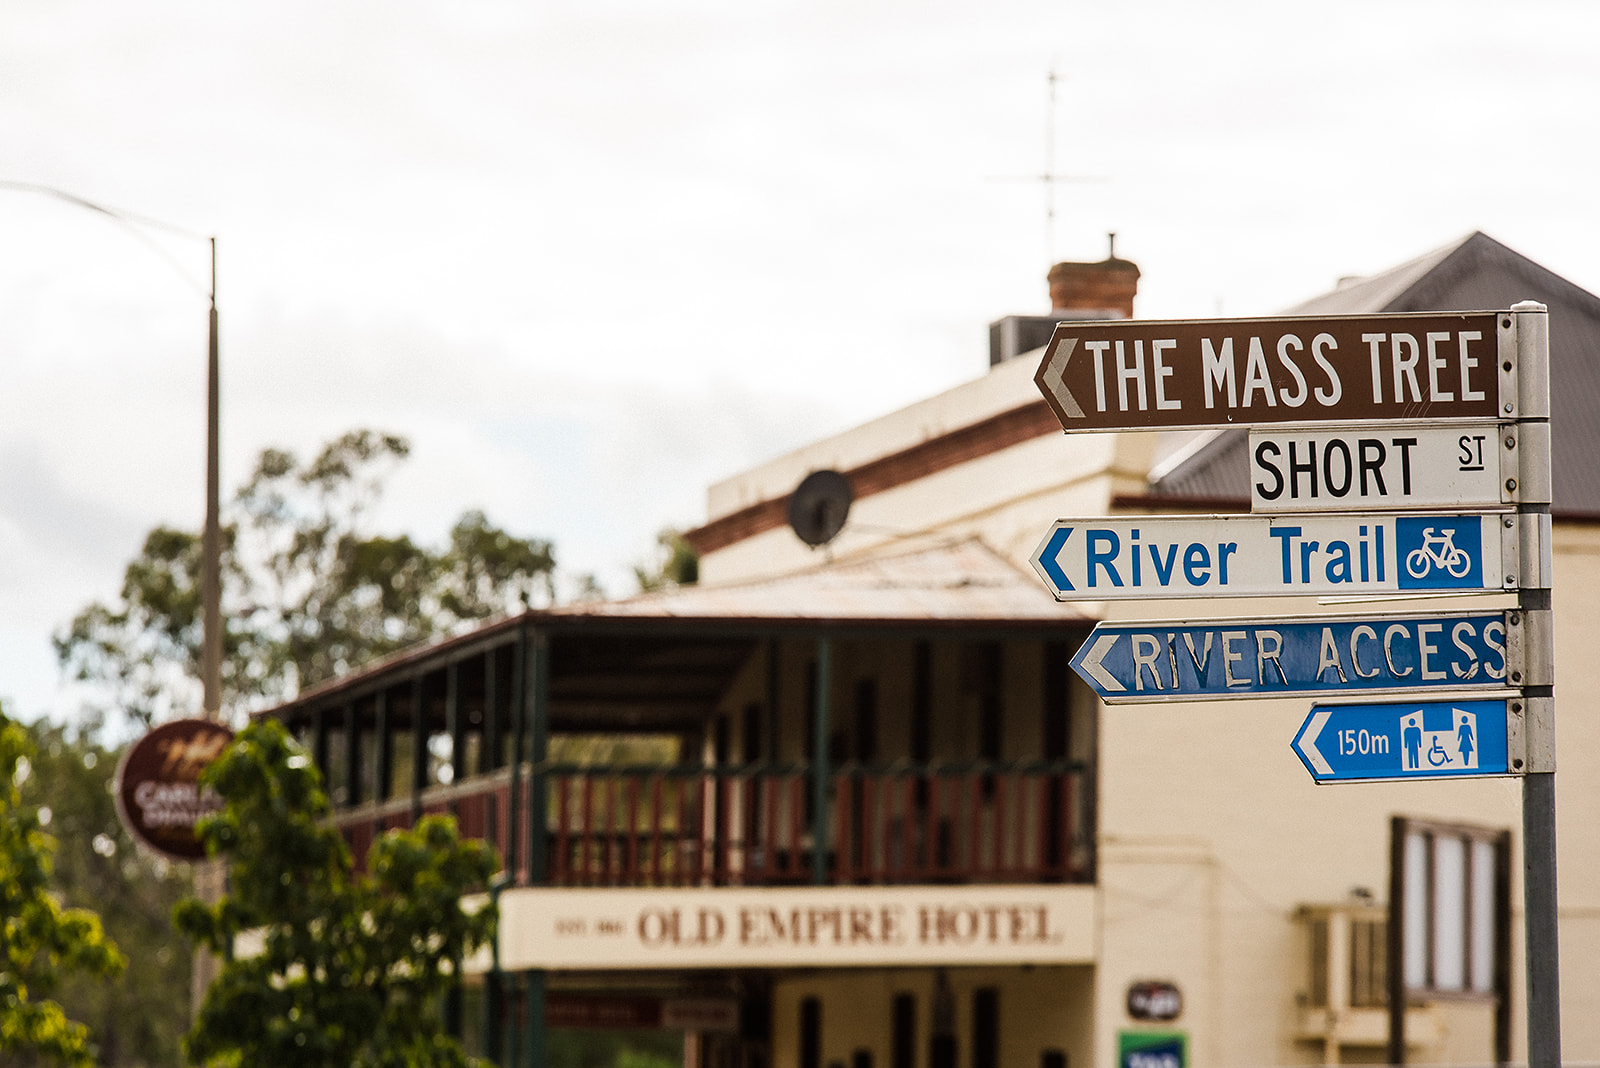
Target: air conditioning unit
x,y
1017,334
1345,1002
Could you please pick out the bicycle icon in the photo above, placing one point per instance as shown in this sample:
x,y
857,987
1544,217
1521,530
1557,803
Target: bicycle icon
x,y
1438,550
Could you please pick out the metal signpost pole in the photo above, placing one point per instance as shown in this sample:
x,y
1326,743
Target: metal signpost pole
x,y
1532,338
1478,437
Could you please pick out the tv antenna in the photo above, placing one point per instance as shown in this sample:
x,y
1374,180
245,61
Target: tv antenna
x,y
1049,179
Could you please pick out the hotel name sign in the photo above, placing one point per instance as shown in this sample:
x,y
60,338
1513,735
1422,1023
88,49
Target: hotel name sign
x,y
771,927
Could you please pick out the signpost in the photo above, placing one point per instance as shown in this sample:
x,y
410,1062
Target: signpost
x,y
1321,655
1100,559
1416,740
1135,374
1404,467
1369,435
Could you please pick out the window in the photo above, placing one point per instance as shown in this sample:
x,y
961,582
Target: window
x,y
810,1032
903,1045
986,1027
1452,883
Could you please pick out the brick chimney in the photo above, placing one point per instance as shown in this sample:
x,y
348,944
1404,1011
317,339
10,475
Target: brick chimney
x,y
1094,290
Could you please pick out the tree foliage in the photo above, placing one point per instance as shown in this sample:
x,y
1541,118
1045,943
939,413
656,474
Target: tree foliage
x,y
309,591
136,1019
351,966
39,940
674,563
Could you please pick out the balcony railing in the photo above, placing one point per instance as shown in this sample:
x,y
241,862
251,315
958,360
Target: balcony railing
x,y
754,825
481,806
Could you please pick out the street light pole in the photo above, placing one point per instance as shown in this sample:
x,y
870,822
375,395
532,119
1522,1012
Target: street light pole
x,y
211,537
208,876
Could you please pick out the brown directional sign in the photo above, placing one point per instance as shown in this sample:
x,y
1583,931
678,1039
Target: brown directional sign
x,y
1137,374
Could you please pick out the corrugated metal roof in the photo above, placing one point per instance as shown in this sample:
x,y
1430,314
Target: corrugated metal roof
x,y
964,580
1476,273
1209,469
1378,292
961,583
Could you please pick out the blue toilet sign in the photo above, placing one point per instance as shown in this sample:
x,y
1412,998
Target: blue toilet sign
x,y
1404,740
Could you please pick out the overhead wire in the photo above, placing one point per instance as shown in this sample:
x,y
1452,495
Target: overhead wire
x,y
133,223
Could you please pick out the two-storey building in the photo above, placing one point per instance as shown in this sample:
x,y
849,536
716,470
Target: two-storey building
x,y
847,804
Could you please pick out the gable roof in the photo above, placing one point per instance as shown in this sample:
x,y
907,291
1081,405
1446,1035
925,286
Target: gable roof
x,y
961,581
1474,274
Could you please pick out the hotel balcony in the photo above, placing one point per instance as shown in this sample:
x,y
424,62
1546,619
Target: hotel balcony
x,y
892,721
678,826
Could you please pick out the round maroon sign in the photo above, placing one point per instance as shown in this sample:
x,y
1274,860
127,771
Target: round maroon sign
x,y
158,793
1155,1000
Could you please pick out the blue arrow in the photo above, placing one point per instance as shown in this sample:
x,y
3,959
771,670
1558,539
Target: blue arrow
x,y
1411,740
1049,562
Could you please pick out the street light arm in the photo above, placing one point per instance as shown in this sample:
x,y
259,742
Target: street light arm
x,y
131,222
211,539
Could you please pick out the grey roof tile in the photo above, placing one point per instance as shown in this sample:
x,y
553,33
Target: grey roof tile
x,y
1476,273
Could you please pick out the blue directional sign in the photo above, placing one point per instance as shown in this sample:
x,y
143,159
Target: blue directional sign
x,y
1409,740
1308,655
1101,559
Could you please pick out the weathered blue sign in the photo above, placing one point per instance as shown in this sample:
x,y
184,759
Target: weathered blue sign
x,y
1315,655
1261,555
1409,740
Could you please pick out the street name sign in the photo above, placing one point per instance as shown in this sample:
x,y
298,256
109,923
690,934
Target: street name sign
x,y
1101,559
1126,662
1401,466
1410,740
1135,374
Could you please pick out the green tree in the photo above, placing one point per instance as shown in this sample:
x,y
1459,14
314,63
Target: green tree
x,y
310,592
674,563
138,1018
39,940
351,968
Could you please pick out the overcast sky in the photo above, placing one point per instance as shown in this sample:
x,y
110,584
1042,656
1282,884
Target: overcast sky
x,y
592,256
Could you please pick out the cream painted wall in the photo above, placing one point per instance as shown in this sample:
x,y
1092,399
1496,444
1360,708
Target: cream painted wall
x,y
1000,495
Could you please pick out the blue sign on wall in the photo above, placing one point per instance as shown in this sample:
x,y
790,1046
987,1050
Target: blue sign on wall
x,y
1406,740
1323,655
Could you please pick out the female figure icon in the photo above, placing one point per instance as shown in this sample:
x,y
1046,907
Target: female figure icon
x,y
1464,742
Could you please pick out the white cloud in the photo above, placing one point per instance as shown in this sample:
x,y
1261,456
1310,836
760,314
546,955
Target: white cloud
x,y
590,257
